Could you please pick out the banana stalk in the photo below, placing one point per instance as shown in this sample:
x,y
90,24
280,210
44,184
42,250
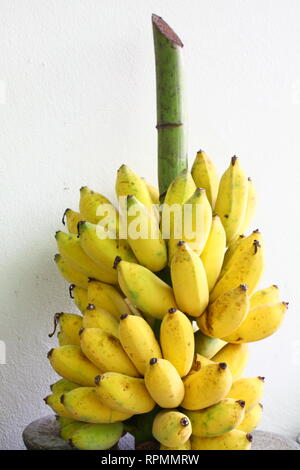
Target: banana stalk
x,y
170,104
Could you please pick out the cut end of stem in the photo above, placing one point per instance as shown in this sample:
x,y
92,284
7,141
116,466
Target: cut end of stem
x,y
166,30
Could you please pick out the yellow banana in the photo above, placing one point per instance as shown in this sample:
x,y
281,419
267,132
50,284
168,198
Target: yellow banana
x,y
198,362
124,393
84,405
144,289
177,340
185,446
138,341
251,206
181,189
233,440
129,183
251,419
70,325
171,428
54,402
72,218
144,236
189,280
241,245
63,385
69,247
246,268
232,199
164,383
67,431
249,389
70,363
260,323
236,357
80,297
100,318
218,419
267,296
153,191
62,339
196,223
205,176
100,247
207,387
105,351
231,250
213,254
108,297
69,273
97,209
226,313
97,436
206,345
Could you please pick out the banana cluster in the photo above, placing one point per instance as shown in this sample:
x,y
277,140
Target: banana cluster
x,y
160,345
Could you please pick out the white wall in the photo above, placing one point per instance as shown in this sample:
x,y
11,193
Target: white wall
x,y
80,101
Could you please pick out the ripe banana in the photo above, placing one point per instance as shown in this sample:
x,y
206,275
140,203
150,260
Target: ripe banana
x,y
196,223
181,189
105,351
108,297
218,419
100,318
144,289
138,341
246,268
54,402
97,436
67,431
205,176
164,383
236,357
267,296
63,385
251,206
72,218
206,345
124,393
80,297
70,363
153,191
233,440
69,247
129,183
231,250
226,313
207,387
177,340
62,339
249,389
70,325
237,248
97,209
69,273
189,280
251,419
213,254
232,199
171,428
198,362
99,245
260,323
144,236
84,405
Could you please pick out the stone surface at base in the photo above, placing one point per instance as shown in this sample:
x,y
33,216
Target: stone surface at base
x,y
43,434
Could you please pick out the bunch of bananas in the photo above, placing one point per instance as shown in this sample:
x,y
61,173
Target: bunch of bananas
x,y
161,345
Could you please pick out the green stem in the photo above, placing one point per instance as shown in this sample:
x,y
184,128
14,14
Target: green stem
x,y
170,104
